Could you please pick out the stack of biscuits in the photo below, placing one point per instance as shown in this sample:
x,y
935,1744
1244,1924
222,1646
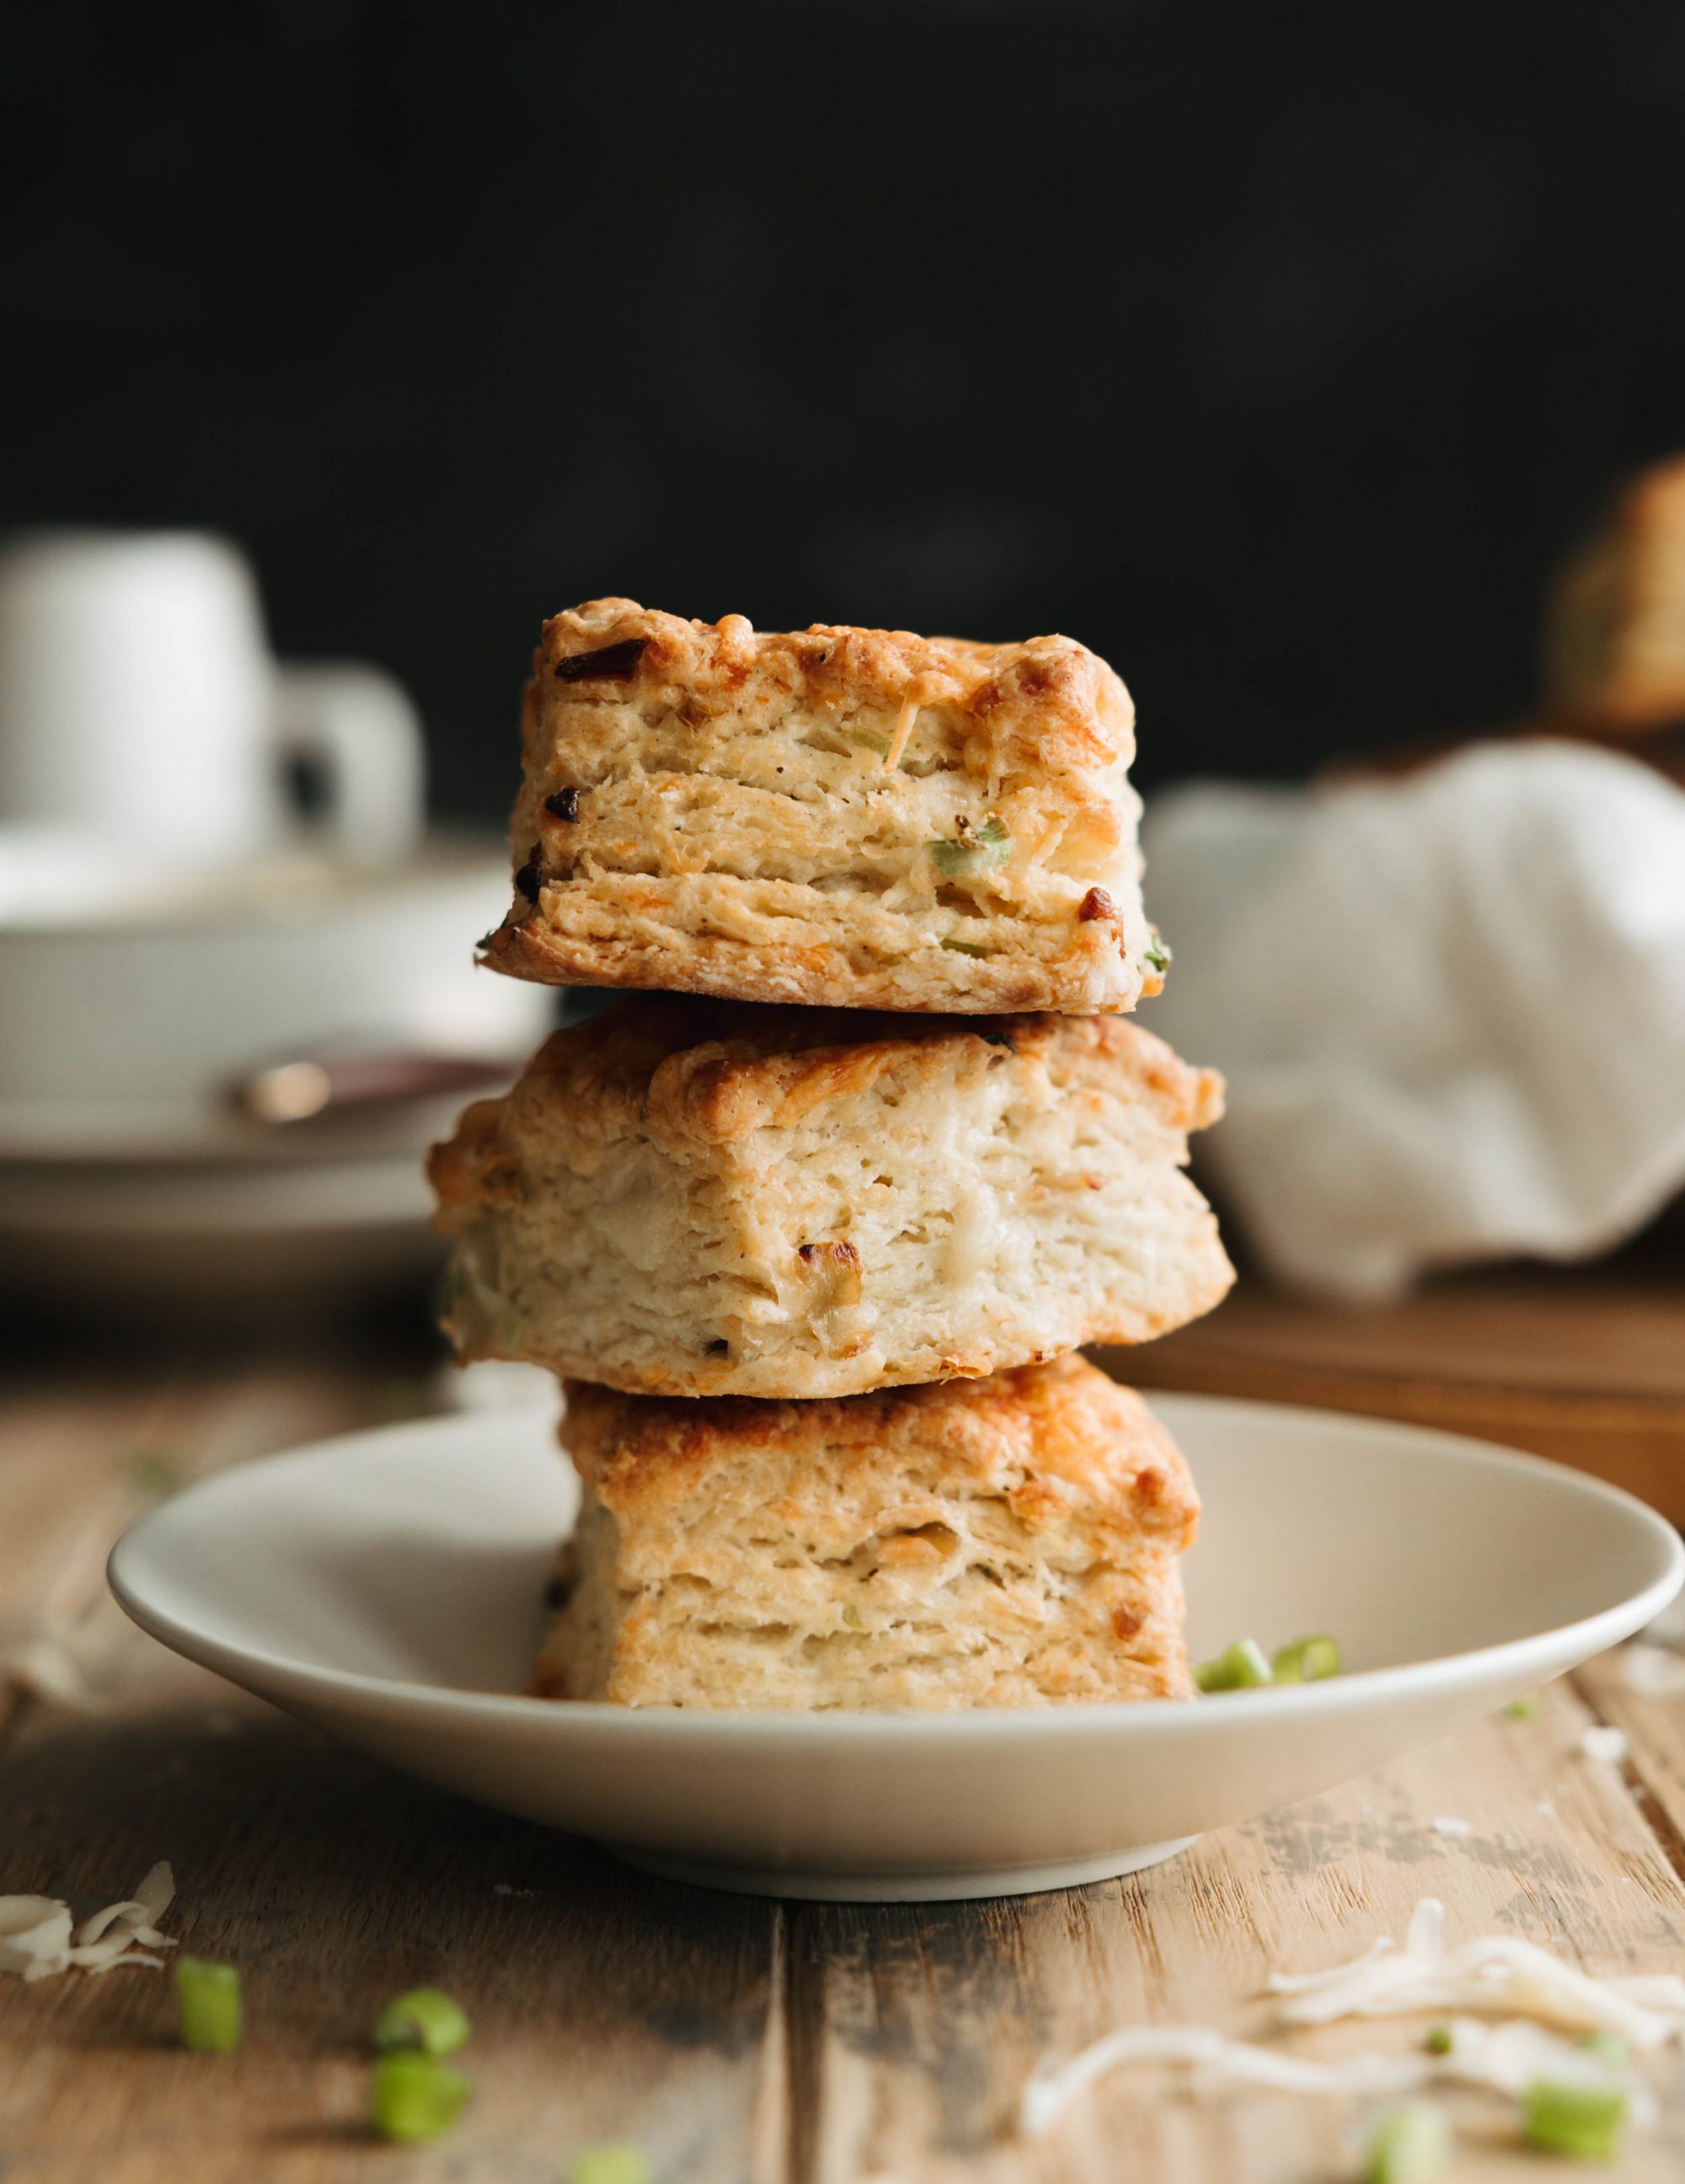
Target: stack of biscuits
x,y
811,1222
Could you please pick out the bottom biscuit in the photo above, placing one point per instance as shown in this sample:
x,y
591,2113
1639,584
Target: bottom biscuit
x,y
1009,1541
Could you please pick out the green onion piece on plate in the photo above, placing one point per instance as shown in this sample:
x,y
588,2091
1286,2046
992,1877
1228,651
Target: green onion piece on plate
x,y
1408,2145
963,948
425,2019
1585,2121
1240,1667
1437,2039
415,2097
611,2165
209,1999
1306,1661
1521,1709
1607,2049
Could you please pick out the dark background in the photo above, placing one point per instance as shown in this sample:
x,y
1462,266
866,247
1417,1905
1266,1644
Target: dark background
x,y
1276,351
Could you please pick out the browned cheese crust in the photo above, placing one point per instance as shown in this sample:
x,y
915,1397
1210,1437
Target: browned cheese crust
x,y
694,1197
863,818
1005,1542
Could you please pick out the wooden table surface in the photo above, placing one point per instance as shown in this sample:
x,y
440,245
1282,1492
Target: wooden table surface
x,y
735,2039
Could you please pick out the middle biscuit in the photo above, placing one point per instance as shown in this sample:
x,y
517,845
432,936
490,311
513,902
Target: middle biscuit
x,y
702,1198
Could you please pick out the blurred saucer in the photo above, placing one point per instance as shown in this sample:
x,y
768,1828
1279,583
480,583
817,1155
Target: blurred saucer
x,y
150,1240
120,1133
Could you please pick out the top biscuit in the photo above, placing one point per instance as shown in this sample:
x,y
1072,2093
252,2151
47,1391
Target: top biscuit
x,y
860,818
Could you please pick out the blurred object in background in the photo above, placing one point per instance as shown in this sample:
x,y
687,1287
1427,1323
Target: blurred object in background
x,y
1582,1364
132,993
1282,366
179,927
1450,1007
1614,638
138,703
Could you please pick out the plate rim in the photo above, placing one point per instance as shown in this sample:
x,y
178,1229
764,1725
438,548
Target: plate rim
x,y
1106,1718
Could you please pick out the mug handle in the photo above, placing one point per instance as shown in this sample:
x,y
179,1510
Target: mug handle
x,y
360,728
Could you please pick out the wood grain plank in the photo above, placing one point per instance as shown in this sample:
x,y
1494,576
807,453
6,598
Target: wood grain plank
x,y
77,1465
59,1455
1583,1364
1655,1765
604,2004
1609,1330
926,2021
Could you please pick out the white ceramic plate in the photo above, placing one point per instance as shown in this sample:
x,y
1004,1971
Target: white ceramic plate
x,y
388,1587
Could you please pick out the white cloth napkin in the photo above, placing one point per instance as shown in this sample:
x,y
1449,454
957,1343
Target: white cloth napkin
x,y
1450,1008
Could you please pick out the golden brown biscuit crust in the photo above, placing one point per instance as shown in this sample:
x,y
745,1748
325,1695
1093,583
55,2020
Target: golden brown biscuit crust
x,y
1079,1438
1043,703
693,1071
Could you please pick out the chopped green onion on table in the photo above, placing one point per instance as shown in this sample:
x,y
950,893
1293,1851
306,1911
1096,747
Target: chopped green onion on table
x,y
1584,2122
156,1471
416,2097
612,2164
1409,2145
209,1999
423,2018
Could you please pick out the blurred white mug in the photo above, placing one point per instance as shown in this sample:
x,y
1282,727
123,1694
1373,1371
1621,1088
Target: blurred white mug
x,y
138,698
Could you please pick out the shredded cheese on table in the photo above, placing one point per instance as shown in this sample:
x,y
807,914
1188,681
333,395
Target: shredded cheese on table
x,y
1493,1974
1219,2064
44,1662
1655,1671
38,1940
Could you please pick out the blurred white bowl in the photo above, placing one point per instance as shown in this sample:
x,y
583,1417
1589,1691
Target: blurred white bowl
x,y
130,993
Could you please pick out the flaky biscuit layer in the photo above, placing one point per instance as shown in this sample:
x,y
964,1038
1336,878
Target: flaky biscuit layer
x,y
702,1198
1005,1542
